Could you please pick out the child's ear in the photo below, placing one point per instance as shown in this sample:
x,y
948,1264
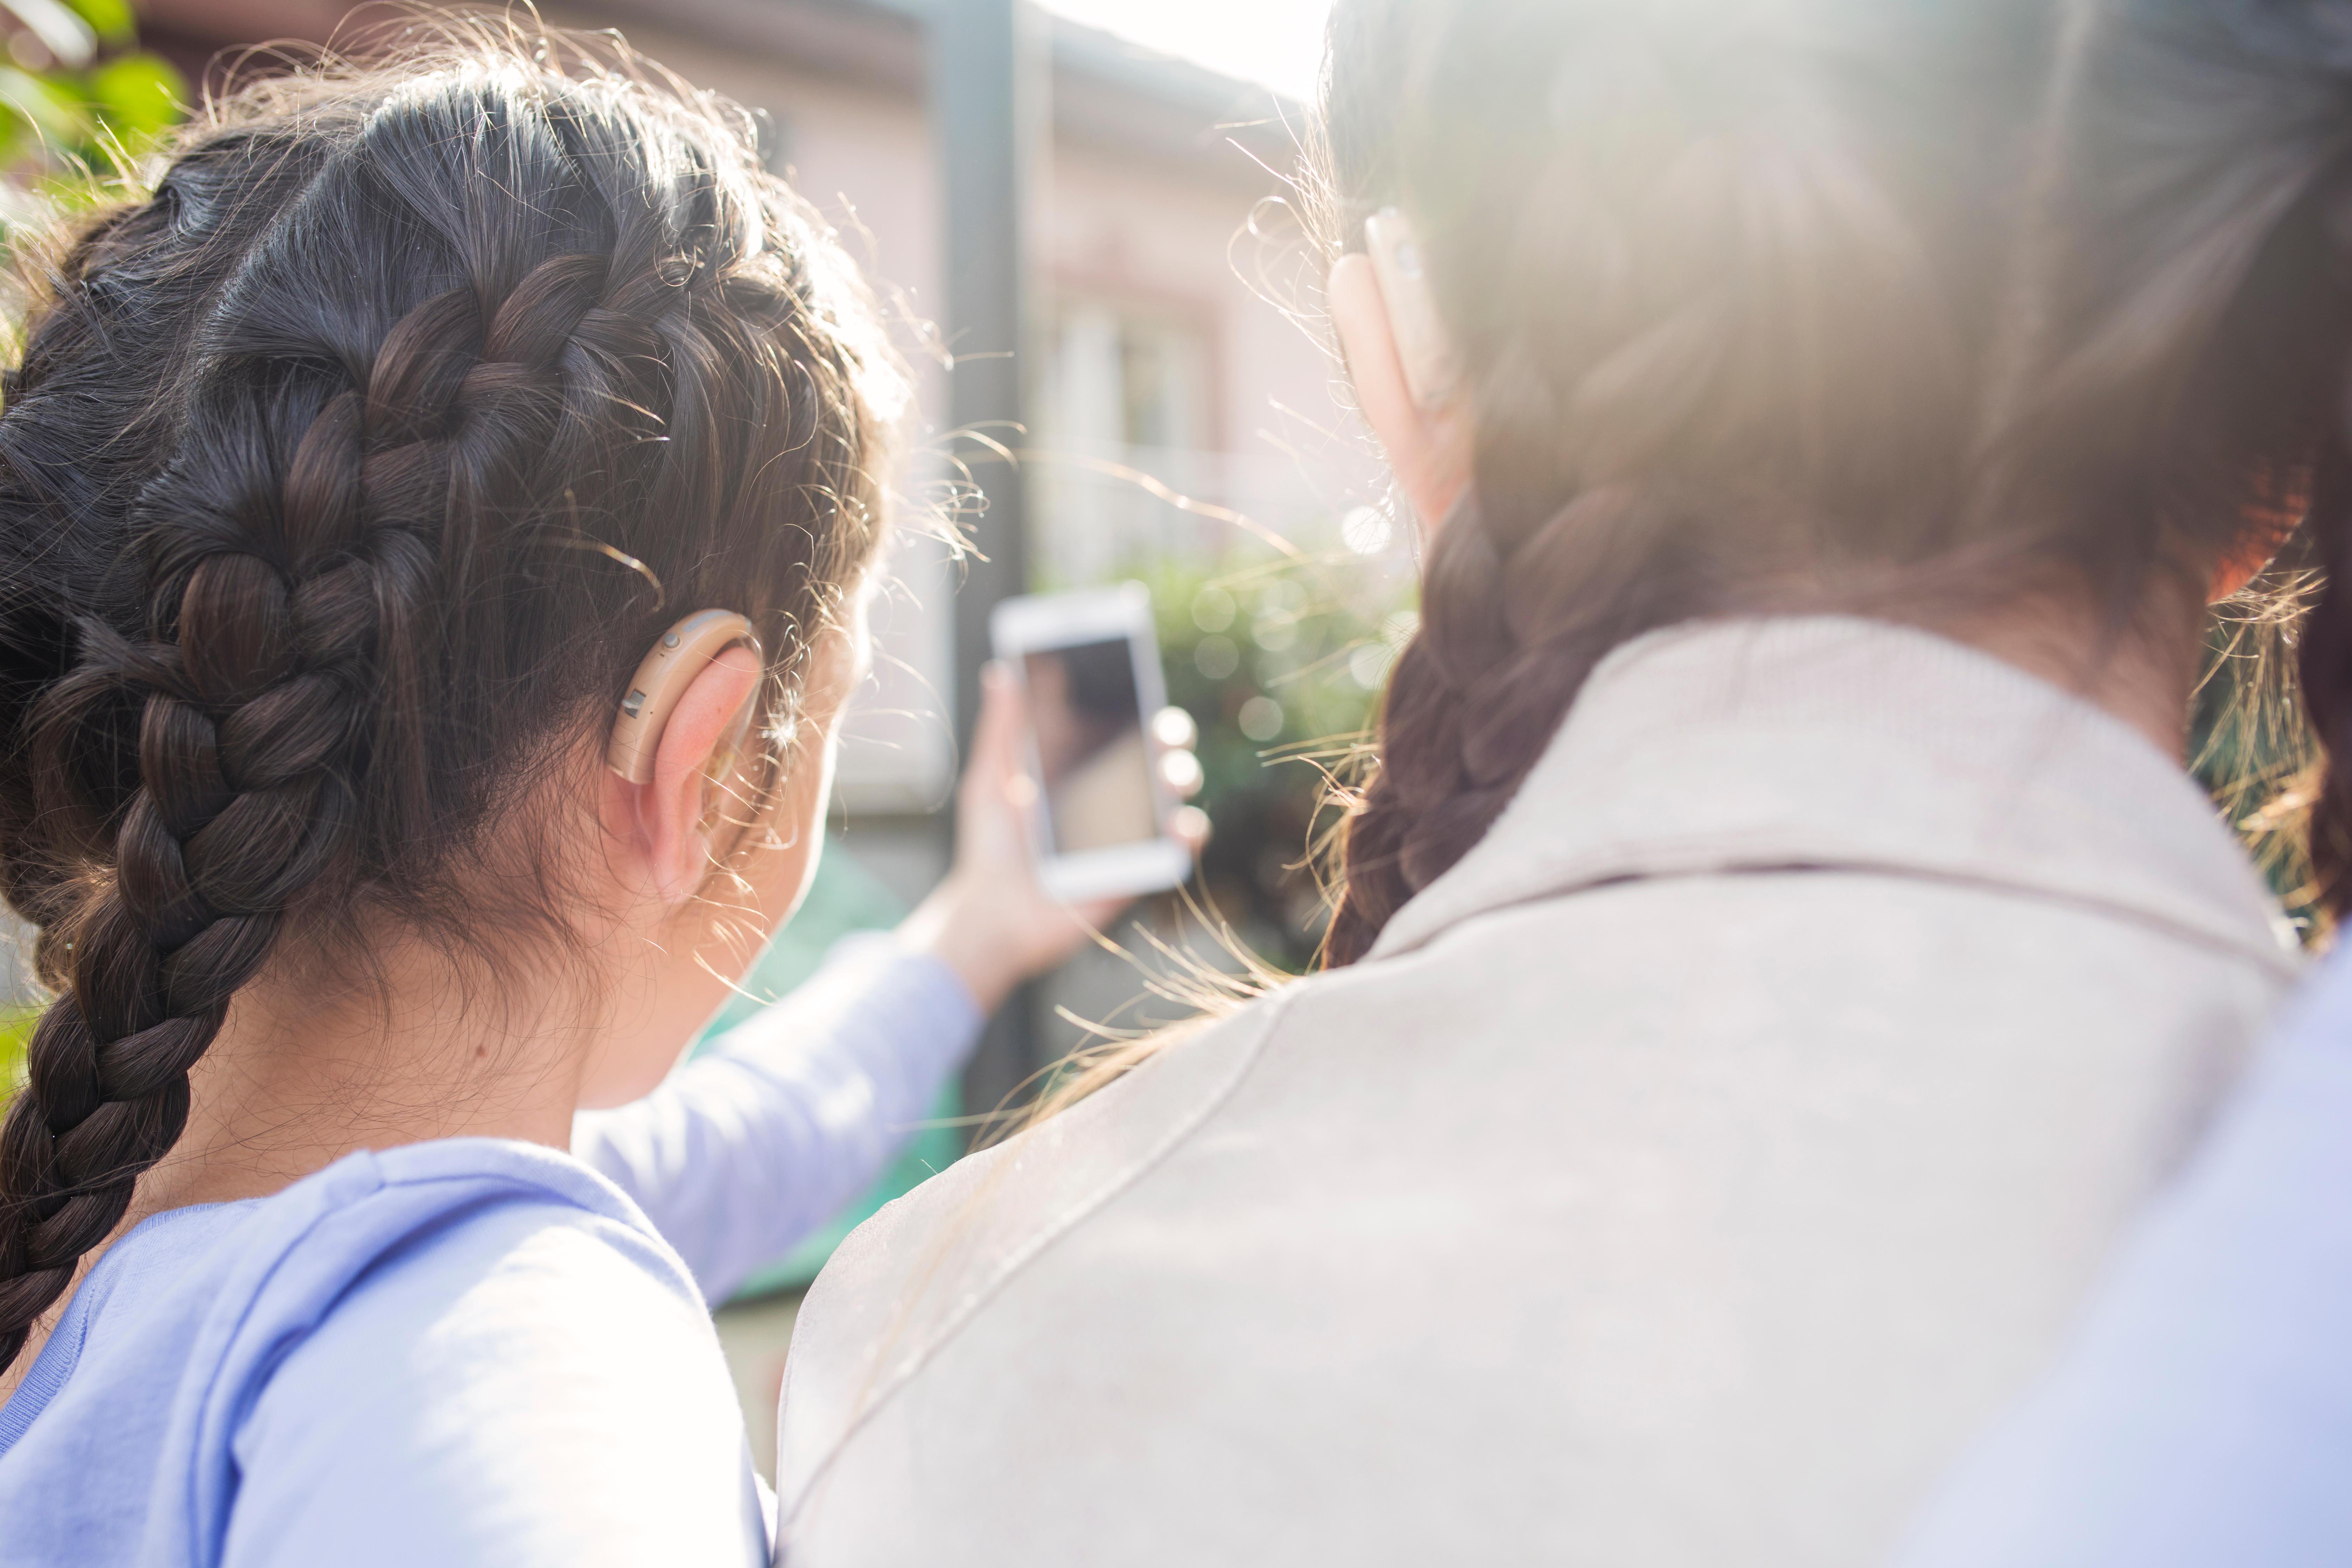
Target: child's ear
x,y
668,820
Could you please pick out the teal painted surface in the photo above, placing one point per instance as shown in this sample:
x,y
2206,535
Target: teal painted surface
x,y
844,897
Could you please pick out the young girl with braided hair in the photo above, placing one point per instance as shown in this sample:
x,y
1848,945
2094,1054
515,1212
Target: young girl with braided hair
x,y
1780,944
354,487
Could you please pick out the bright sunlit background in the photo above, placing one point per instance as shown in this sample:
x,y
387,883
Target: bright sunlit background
x,y
1275,43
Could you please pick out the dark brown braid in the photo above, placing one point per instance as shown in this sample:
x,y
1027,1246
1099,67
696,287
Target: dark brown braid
x,y
1502,653
332,484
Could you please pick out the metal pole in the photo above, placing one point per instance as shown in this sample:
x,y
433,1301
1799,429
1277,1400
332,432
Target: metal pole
x,y
987,103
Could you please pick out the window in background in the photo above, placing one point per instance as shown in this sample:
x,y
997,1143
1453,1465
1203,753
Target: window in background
x,y
774,130
1161,385
1126,390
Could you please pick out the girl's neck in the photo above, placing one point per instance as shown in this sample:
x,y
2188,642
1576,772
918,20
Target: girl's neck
x,y
309,1068
312,1067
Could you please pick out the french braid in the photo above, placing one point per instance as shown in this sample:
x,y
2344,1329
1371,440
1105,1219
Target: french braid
x,y
1498,660
428,334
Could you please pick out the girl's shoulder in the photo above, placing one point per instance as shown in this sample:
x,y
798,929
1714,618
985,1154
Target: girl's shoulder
x,y
400,1358
374,1220
524,1372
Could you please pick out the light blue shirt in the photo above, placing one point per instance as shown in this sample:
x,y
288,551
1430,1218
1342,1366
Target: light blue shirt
x,y
2202,1415
473,1352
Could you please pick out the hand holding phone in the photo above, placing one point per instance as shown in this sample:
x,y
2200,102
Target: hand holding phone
x,y
990,921
1103,823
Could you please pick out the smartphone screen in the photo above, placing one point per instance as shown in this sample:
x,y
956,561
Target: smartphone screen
x,y
1092,760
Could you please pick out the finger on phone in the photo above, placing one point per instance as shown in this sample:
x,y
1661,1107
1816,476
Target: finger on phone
x,y
1189,825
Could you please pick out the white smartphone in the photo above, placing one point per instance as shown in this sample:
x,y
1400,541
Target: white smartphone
x,y
1089,662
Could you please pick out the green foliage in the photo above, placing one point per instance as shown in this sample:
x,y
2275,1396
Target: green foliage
x,y
77,98
16,1030
2247,745
1280,660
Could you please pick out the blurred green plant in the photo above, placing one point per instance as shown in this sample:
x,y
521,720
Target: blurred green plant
x,y
79,101
1280,660
16,1030
2247,743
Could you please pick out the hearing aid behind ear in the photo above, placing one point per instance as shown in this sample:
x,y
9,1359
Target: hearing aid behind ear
x,y
679,655
1423,347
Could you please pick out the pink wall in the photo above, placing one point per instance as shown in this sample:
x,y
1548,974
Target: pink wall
x,y
1158,234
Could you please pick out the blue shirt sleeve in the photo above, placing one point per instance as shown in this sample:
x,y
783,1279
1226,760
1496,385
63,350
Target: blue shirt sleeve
x,y
2203,1413
791,1114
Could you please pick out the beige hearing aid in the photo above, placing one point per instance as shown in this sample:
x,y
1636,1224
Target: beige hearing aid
x,y
1430,372
679,655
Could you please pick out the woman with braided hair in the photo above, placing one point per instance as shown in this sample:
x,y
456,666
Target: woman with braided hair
x,y
381,803
1780,945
